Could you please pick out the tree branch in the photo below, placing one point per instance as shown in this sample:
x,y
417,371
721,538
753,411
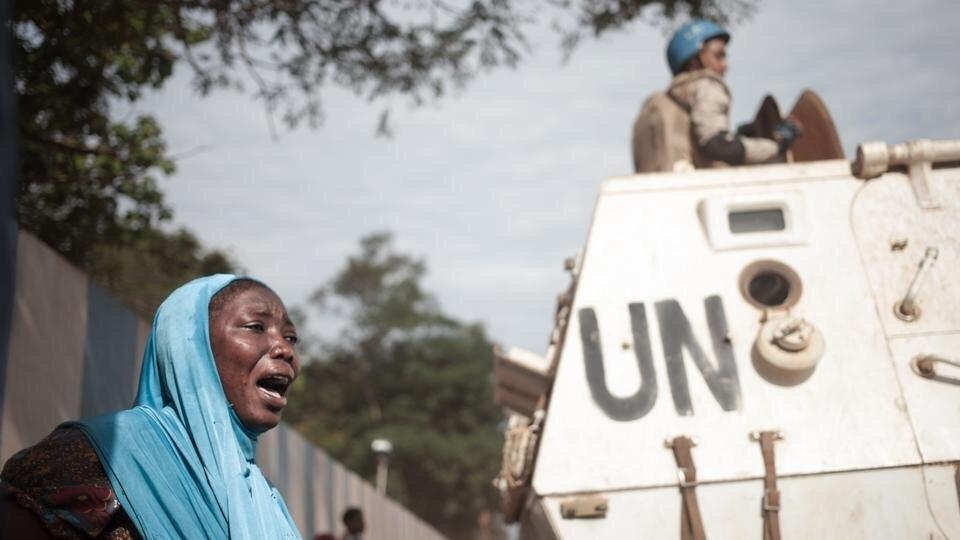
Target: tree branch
x,y
71,146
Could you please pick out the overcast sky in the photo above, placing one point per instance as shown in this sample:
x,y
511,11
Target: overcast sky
x,y
494,187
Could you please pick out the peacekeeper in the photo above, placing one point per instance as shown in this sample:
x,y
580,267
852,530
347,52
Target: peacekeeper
x,y
697,55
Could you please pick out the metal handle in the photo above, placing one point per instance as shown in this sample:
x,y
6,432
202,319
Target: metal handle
x,y
874,158
907,309
925,365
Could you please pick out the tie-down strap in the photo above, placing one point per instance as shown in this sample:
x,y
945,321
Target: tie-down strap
x,y
691,526
770,503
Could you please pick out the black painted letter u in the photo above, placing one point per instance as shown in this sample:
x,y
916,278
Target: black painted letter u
x,y
631,407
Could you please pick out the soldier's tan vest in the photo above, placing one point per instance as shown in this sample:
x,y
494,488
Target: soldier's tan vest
x,y
662,140
662,136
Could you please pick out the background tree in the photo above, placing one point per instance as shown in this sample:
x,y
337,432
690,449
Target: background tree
x,y
403,370
91,179
88,182
145,269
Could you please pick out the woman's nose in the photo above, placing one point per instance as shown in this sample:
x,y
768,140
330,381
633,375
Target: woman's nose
x,y
281,348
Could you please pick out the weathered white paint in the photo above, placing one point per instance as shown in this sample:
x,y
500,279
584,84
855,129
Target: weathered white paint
x,y
886,210
933,406
648,245
870,447
888,503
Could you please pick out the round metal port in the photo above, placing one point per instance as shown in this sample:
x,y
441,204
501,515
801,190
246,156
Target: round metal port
x,y
770,284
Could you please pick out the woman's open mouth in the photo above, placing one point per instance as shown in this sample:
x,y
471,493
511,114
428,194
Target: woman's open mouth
x,y
274,388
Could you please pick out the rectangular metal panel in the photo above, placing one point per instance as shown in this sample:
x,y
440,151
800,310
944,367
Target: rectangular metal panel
x,y
110,358
282,474
851,505
143,336
374,510
45,362
295,478
894,233
310,474
338,481
933,405
328,490
8,256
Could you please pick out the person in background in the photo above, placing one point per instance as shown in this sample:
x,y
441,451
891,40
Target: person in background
x,y
353,521
697,56
179,464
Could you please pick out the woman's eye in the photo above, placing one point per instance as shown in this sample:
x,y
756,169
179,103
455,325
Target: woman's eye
x,y
293,339
255,326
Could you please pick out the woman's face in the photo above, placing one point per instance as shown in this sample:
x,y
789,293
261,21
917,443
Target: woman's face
x,y
253,342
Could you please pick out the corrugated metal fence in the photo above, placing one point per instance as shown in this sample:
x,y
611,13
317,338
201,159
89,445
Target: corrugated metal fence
x,y
74,351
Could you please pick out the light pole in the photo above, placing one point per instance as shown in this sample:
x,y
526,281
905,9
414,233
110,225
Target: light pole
x,y
382,448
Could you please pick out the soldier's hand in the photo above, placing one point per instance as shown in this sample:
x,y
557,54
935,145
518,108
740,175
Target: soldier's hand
x,y
786,133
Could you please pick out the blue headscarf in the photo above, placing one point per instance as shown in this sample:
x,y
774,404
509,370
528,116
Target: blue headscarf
x,y
181,461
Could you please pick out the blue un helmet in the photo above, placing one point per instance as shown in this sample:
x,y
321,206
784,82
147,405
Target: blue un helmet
x,y
689,39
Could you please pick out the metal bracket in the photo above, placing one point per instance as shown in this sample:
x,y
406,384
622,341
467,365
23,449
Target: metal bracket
x,y
765,503
777,435
874,158
682,479
588,506
668,442
920,174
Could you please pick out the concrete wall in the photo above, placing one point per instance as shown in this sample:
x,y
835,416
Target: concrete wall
x,y
74,351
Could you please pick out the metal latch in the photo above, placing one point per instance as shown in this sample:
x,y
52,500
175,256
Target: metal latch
x,y
588,506
908,310
925,365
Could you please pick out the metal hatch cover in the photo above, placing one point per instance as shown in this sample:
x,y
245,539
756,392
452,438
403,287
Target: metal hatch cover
x,y
894,232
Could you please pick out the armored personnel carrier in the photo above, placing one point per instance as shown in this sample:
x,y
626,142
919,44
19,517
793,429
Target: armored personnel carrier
x,y
751,352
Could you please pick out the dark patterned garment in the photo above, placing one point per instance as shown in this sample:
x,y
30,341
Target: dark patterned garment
x,y
61,480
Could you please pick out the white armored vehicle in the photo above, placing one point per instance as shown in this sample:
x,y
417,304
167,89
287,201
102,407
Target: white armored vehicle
x,y
748,352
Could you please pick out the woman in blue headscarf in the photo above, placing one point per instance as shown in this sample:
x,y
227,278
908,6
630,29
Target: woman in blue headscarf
x,y
180,463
